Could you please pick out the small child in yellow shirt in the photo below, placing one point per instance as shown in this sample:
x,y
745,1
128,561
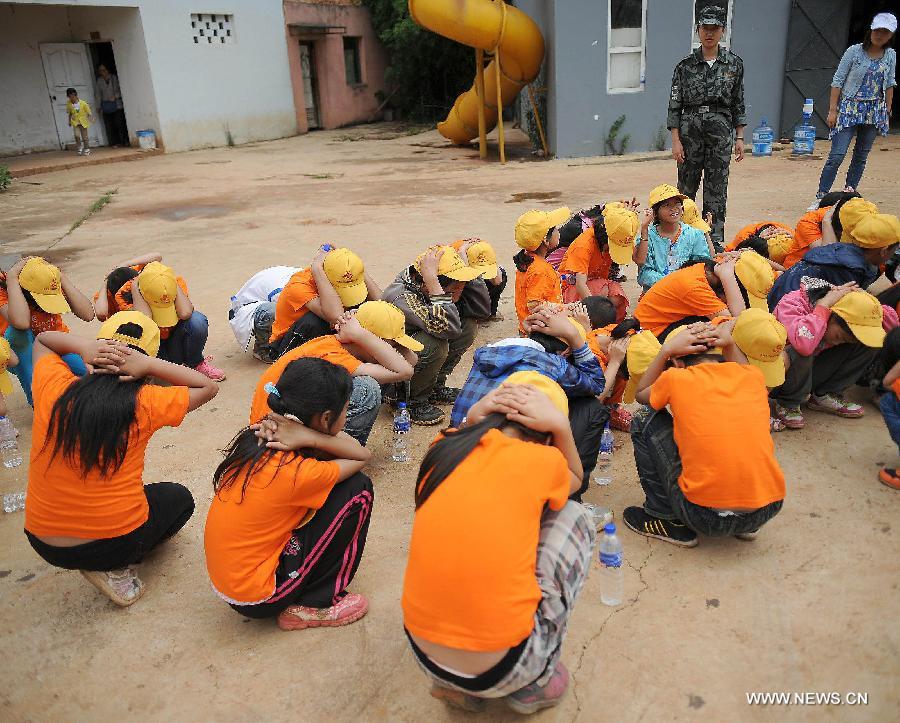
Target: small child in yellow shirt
x,y
80,118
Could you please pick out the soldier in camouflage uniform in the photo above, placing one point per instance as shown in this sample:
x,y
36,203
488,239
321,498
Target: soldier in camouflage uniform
x,y
706,117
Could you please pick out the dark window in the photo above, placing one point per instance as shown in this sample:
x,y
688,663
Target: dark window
x,y
625,14
352,62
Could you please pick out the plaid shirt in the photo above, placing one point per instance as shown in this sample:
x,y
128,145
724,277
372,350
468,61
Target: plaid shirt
x,y
580,375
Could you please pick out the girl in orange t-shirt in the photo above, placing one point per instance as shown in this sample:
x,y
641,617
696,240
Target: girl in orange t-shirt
x,y
106,302
487,595
537,282
287,525
87,507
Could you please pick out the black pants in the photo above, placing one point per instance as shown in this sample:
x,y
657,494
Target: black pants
x,y
171,506
307,327
321,558
116,135
587,417
495,291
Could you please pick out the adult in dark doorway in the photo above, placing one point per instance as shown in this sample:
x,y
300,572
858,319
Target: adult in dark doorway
x,y
707,117
862,92
109,94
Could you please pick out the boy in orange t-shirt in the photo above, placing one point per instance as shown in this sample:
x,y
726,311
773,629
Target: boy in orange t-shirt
x,y
702,472
537,283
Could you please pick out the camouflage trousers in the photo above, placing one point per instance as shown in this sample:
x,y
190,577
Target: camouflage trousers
x,y
708,139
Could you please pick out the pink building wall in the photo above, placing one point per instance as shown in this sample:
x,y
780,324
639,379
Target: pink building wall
x,y
339,104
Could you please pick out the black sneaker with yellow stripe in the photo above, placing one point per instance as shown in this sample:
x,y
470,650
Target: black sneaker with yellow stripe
x,y
638,520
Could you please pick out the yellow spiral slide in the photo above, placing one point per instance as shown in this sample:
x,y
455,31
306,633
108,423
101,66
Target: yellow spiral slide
x,y
494,27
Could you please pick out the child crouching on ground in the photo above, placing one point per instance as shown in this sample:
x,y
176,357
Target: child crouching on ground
x,y
487,596
537,283
287,525
714,475
890,400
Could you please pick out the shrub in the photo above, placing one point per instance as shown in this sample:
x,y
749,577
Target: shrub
x,y
5,178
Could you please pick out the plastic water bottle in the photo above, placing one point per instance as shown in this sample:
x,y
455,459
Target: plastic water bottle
x,y
14,502
606,448
763,137
611,560
9,445
401,432
805,132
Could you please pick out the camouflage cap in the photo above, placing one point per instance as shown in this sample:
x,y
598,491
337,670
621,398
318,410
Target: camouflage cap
x,y
711,15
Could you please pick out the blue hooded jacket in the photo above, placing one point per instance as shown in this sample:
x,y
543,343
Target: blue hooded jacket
x,y
837,263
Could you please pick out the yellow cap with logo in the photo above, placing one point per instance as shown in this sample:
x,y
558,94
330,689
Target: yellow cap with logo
x,y
347,274
159,288
386,321
450,265
532,226
761,337
780,245
621,226
42,280
481,256
864,316
692,216
543,384
876,231
5,356
148,338
851,213
643,348
664,192
756,276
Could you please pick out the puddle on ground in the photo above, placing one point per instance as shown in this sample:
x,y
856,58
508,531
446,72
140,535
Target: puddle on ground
x,y
182,213
534,196
57,257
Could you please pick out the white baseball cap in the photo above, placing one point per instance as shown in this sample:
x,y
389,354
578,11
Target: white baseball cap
x,y
886,21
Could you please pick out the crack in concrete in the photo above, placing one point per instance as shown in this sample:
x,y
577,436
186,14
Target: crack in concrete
x,y
631,603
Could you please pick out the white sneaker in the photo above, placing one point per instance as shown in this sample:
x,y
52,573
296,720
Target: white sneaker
x,y
123,587
87,151
80,150
814,206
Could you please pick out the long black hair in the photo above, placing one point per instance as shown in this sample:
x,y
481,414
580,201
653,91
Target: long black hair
x,y
836,216
757,243
90,423
448,453
600,234
119,277
711,267
306,388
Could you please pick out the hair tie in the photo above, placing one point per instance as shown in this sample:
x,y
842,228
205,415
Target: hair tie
x,y
272,389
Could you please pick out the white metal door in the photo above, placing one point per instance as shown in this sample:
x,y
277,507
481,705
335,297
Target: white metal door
x,y
68,65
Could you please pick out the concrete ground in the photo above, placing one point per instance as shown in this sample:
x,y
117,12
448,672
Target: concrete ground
x,y
811,606
31,164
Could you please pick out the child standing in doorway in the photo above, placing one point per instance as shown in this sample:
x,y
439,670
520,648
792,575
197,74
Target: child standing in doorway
x,y
80,118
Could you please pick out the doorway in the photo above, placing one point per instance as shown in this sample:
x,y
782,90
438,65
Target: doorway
x,y
113,118
310,89
68,65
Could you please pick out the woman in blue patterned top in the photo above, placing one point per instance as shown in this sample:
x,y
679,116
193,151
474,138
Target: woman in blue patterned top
x,y
864,84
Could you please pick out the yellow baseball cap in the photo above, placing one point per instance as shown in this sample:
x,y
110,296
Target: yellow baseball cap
x,y
643,348
5,356
386,321
621,228
762,338
756,276
148,341
159,288
692,216
876,231
347,274
851,213
481,256
864,316
41,279
451,265
780,246
663,193
532,226
543,384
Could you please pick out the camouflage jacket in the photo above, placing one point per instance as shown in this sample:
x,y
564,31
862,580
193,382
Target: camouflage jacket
x,y
694,83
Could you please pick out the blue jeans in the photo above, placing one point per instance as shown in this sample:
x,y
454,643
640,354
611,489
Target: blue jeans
x,y
186,341
890,410
365,403
865,137
22,343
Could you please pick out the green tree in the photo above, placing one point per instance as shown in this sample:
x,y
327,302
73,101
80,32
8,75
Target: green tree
x,y
426,71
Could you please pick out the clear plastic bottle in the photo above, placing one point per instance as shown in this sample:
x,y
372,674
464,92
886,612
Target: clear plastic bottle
x,y
401,434
611,560
9,444
606,448
805,132
14,502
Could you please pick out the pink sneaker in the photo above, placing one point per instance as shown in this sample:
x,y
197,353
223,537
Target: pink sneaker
x,y
533,698
835,404
350,609
208,369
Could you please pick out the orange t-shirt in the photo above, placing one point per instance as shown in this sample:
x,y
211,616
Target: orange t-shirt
x,y
123,302
682,293
62,502
748,231
324,347
896,388
809,230
603,359
721,426
539,282
40,320
244,539
291,305
470,582
585,257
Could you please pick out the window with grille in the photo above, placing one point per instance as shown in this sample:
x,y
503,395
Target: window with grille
x,y
352,64
626,41
212,28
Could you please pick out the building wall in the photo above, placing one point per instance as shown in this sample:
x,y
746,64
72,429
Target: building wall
x,y
339,104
